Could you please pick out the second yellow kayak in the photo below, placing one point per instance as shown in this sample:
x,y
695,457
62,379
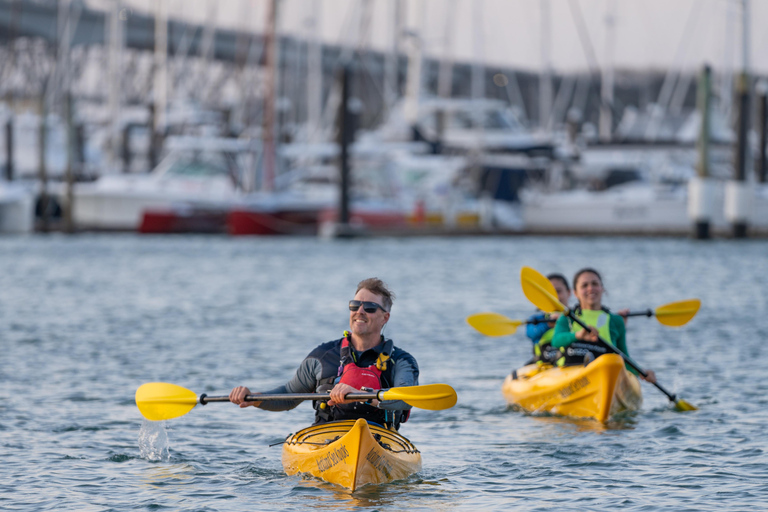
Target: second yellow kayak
x,y
350,453
602,388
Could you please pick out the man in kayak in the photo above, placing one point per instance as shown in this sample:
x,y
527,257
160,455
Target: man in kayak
x,y
362,359
579,345
540,326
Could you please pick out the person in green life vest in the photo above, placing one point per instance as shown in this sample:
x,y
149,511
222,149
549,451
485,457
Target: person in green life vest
x,y
579,345
540,326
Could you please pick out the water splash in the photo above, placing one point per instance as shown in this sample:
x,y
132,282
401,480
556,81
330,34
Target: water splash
x,y
153,441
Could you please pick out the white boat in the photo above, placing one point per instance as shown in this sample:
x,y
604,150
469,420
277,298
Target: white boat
x,y
17,208
204,173
625,192
462,126
392,187
630,208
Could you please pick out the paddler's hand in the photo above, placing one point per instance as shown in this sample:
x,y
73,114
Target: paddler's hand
x,y
238,394
590,335
552,319
650,376
623,313
341,390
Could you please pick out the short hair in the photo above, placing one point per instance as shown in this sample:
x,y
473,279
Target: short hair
x,y
379,287
584,271
559,277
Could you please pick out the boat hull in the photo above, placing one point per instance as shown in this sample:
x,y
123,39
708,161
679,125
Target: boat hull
x,y
351,454
183,220
288,221
599,390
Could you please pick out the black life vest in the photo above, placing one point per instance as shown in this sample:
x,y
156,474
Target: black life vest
x,y
375,376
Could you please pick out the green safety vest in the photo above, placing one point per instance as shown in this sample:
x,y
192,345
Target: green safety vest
x,y
601,320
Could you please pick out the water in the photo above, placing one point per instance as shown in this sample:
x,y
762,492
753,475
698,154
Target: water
x,y
86,320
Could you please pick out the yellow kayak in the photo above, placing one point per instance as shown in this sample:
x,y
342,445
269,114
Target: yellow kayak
x,y
350,453
602,388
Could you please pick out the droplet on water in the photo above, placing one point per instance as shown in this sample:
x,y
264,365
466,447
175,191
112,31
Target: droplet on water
x,y
153,441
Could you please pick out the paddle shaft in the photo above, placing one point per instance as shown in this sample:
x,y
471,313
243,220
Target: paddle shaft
x,y
204,399
626,358
647,312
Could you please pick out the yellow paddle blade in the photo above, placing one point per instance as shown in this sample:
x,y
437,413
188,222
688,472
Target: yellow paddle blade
x,y
682,405
159,401
678,313
434,397
539,290
493,324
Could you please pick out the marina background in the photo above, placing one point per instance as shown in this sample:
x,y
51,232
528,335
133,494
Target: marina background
x,y
395,116
87,319
147,149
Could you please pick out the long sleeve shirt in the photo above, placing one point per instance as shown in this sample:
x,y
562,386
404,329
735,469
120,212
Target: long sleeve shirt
x,y
323,363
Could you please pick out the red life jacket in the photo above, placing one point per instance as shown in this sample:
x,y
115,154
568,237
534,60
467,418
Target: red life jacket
x,y
361,377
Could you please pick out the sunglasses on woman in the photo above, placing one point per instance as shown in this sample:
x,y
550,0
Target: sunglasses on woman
x,y
368,307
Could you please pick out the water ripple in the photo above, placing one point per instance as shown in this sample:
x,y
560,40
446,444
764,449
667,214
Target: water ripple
x,y
88,319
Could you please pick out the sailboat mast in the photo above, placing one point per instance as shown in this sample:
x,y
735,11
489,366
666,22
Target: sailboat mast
x,y
270,47
445,75
545,79
161,69
315,74
607,79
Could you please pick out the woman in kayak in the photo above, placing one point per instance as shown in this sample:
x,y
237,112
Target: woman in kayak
x,y
579,345
540,326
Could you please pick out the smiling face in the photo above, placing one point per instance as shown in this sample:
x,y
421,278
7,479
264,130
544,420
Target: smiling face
x,y
589,290
563,293
368,325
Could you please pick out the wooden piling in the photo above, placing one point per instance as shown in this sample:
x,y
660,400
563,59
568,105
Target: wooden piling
x,y
738,193
72,154
43,204
345,139
762,165
9,149
701,187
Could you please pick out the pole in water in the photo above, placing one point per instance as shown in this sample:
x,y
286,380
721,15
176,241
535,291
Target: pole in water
x,y
701,188
738,192
347,123
42,171
344,141
762,93
72,155
9,148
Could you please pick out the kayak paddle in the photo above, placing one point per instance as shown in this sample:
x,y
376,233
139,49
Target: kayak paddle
x,y
673,314
542,294
159,401
494,324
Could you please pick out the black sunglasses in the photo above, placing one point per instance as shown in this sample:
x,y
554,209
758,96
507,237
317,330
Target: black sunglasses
x,y
368,307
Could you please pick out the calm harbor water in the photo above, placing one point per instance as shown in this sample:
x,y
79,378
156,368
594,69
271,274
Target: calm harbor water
x,y
86,320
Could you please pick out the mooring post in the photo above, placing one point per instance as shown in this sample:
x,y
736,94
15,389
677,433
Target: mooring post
x,y
738,192
42,170
9,148
701,188
72,155
762,165
345,138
